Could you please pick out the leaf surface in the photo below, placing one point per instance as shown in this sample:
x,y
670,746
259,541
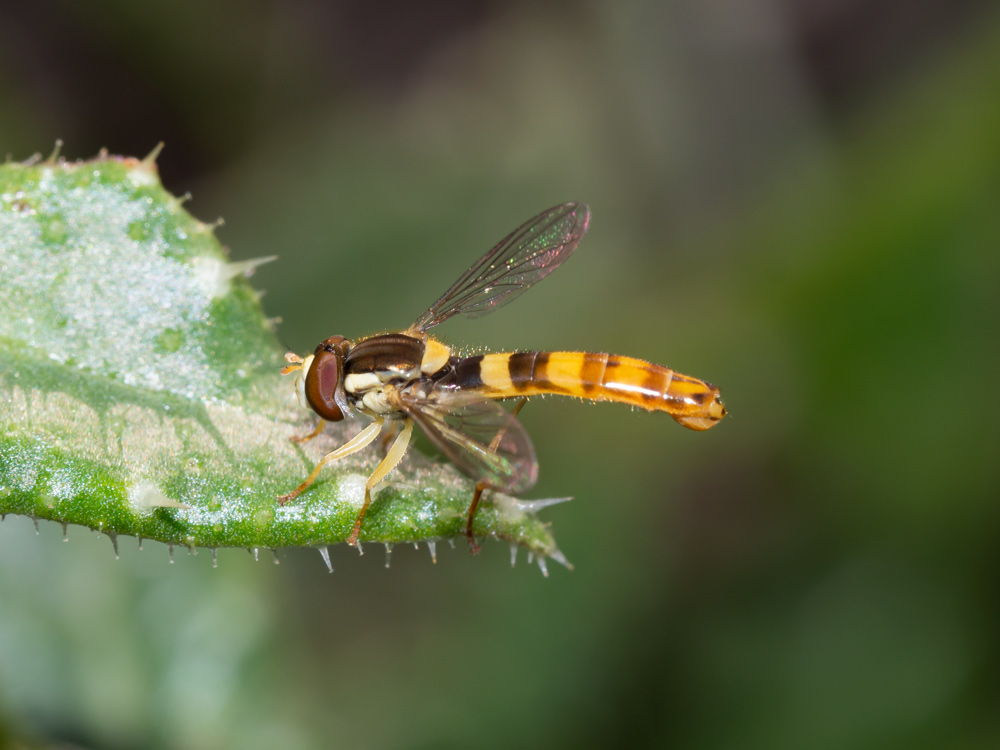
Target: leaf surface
x,y
140,391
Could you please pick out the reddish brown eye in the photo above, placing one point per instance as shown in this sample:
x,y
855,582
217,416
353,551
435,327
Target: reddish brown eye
x,y
323,378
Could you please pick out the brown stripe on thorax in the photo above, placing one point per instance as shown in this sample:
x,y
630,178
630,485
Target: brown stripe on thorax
x,y
391,352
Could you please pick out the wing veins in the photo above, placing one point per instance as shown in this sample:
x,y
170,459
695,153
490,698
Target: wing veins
x,y
511,467
471,294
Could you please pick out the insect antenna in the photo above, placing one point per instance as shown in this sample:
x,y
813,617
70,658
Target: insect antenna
x,y
294,363
294,360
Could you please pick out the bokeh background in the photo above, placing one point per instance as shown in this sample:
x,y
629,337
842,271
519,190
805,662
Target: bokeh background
x,y
795,199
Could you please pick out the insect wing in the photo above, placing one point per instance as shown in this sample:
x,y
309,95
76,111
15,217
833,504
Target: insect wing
x,y
482,439
524,257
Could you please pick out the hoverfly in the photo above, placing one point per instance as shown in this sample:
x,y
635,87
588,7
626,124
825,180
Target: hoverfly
x,y
412,378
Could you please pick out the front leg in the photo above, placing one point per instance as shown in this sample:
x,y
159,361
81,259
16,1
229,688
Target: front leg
x,y
356,443
481,485
306,438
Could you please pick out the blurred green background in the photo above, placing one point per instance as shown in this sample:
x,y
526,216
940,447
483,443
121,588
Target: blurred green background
x,y
796,200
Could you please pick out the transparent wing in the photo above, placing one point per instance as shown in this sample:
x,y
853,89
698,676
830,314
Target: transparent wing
x,y
524,257
479,437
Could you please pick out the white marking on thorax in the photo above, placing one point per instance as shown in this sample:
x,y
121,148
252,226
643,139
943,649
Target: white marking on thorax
x,y
361,381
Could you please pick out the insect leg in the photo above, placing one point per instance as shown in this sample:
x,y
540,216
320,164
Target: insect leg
x,y
474,548
392,458
356,443
388,435
311,435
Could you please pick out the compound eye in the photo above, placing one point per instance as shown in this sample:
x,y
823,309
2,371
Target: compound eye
x,y
323,379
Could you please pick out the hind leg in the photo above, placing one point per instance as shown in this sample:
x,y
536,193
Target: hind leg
x,y
474,548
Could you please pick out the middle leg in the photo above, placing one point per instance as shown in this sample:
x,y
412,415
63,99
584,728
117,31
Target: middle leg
x,y
392,458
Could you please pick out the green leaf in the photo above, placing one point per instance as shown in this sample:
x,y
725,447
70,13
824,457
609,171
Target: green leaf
x,y
140,391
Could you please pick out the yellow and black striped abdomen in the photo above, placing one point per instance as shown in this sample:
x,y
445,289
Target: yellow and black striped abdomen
x,y
597,377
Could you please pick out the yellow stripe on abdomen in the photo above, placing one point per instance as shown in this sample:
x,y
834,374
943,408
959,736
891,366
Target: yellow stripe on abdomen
x,y
597,377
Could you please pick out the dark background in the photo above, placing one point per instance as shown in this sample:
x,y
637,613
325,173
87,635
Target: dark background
x,y
797,200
